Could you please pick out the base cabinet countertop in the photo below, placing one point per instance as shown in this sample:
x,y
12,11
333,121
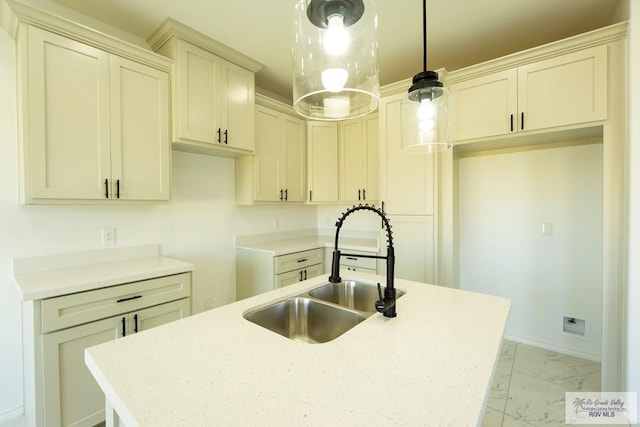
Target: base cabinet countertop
x,y
431,365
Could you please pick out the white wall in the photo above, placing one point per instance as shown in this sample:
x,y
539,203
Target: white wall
x,y
198,225
504,199
631,356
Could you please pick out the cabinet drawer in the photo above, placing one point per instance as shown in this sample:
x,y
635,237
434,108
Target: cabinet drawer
x,y
297,260
358,262
69,310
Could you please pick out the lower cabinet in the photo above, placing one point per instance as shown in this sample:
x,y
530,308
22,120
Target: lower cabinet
x,y
258,272
62,391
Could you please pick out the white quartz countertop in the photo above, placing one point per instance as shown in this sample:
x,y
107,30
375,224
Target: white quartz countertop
x,y
287,246
46,277
432,365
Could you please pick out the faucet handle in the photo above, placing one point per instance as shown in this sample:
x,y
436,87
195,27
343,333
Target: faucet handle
x,y
380,303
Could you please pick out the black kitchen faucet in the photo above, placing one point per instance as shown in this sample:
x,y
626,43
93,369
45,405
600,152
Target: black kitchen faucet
x,y
387,303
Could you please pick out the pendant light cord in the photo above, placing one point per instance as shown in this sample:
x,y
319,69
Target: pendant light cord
x,y
424,35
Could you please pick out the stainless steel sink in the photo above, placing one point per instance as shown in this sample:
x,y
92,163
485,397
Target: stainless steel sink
x,y
305,320
351,294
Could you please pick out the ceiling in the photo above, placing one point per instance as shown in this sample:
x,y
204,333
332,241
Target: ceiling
x,y
460,32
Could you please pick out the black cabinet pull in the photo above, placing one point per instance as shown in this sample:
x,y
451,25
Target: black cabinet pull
x,y
352,258
364,194
300,276
359,191
124,327
305,274
310,194
511,122
129,298
106,188
117,188
226,136
302,259
219,137
281,193
522,120
135,323
286,194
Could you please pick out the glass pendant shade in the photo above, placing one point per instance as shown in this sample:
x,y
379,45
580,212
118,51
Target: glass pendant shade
x,y
335,59
425,113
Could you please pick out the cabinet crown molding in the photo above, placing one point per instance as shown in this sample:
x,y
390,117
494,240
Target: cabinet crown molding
x,y
598,37
274,104
172,28
13,14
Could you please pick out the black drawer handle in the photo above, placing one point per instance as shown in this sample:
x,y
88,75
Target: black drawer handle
x,y
135,323
352,258
124,327
129,298
302,260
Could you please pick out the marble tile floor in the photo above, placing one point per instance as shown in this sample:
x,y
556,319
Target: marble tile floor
x,y
530,383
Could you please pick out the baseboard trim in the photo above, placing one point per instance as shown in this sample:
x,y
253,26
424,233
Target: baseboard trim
x,y
554,348
11,413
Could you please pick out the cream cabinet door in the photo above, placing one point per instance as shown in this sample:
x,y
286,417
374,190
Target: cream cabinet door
x,y
235,107
280,157
294,159
413,240
71,395
353,160
371,139
267,157
322,146
407,179
564,90
65,113
158,315
196,72
295,276
485,106
358,141
140,146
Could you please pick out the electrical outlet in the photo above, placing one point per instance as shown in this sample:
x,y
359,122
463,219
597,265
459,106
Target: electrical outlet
x,y
108,236
546,229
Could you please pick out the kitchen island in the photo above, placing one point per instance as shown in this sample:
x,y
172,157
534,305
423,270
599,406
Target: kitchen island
x,y
432,365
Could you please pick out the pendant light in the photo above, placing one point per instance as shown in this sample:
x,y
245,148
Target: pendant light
x,y
426,127
335,59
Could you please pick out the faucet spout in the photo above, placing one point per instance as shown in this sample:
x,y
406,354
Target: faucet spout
x,y
387,303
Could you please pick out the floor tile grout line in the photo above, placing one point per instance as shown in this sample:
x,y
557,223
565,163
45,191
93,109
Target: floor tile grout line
x,y
513,362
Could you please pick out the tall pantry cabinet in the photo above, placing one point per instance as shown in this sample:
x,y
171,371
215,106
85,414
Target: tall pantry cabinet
x,y
407,195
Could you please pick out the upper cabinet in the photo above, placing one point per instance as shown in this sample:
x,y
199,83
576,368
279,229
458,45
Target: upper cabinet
x,y
213,92
563,90
358,160
343,160
277,171
322,166
91,113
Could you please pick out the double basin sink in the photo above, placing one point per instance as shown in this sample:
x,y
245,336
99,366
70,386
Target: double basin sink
x,y
321,314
